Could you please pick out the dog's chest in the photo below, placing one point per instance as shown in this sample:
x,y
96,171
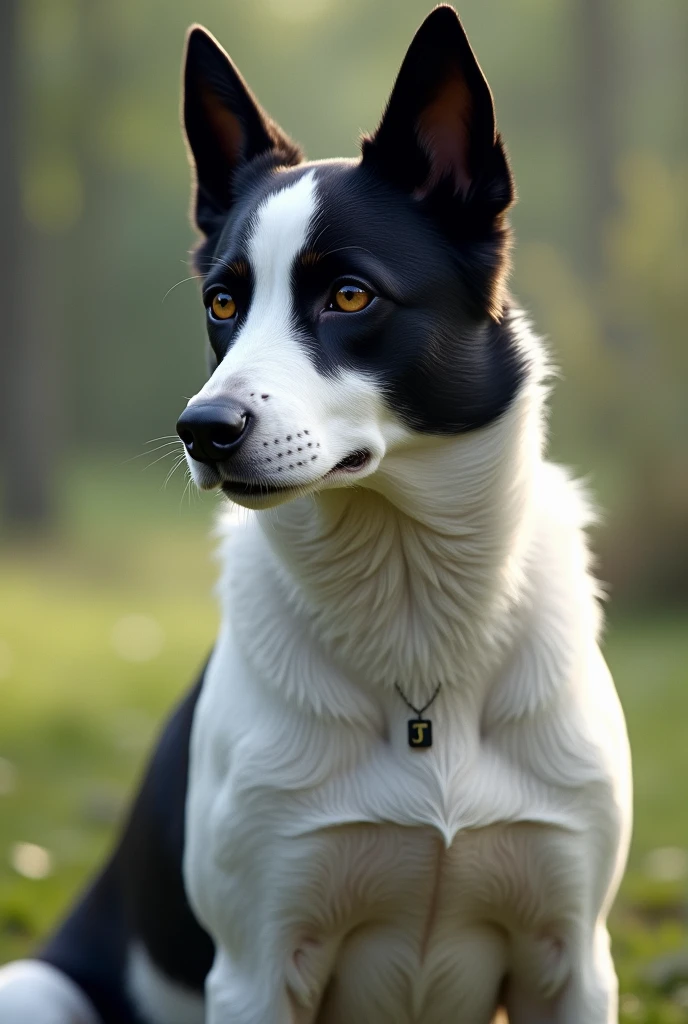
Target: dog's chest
x,y
375,863
386,915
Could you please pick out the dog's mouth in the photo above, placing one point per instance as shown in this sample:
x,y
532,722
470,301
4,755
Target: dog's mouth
x,y
235,488
352,463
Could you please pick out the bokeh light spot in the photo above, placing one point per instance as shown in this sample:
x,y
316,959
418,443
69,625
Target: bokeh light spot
x,y
137,638
667,864
31,861
8,777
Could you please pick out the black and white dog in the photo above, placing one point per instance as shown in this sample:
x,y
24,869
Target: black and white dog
x,y
401,790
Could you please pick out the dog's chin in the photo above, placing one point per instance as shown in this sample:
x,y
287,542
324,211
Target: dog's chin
x,y
263,494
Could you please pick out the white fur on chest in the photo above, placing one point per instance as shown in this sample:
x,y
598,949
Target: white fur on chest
x,y
352,853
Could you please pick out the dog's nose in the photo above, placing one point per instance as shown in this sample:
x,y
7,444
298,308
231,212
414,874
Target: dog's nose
x,y
212,433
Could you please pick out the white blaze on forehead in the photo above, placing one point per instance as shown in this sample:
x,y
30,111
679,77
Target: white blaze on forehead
x,y
266,351
279,231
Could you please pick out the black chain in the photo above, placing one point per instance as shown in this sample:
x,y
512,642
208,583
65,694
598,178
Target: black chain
x,y
407,702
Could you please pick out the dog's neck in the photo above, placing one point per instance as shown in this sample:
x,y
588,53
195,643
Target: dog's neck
x,y
413,582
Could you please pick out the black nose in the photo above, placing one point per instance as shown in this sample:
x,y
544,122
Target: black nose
x,y
212,433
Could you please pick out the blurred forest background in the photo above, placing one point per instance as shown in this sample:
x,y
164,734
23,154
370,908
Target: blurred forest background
x,y
105,577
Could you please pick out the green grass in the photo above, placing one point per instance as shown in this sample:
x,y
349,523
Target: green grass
x,y
77,718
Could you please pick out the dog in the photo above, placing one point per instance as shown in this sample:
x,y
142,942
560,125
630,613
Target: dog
x,y
400,791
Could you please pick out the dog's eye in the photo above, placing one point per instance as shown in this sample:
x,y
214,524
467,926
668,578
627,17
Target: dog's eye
x,y
223,306
351,298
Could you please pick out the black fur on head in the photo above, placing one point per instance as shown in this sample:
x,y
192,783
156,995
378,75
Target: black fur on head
x,y
226,129
421,218
437,141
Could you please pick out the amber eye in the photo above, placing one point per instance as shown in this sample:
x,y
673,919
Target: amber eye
x,y
351,298
223,306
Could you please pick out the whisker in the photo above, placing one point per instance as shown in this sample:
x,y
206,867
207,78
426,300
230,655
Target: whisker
x,y
174,469
187,488
169,476
194,277
341,248
155,461
165,437
180,458
315,240
217,261
151,451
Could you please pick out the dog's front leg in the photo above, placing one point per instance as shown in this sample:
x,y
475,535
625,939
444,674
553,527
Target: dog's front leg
x,y
237,994
589,996
592,992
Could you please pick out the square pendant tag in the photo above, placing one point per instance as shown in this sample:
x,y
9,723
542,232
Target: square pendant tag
x,y
419,733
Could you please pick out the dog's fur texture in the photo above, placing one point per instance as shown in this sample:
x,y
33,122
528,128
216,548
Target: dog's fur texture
x,y
407,530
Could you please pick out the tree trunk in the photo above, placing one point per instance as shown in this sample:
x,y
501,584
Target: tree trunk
x,y
28,325
595,35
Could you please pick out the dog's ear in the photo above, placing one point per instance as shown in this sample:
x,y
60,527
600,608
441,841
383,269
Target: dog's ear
x,y
225,127
438,133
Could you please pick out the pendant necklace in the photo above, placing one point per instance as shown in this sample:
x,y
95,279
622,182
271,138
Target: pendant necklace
x,y
419,729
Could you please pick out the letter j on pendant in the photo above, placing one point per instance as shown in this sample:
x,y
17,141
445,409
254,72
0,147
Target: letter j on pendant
x,y
420,732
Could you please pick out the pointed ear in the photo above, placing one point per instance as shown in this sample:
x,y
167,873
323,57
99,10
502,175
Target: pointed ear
x,y
438,131
225,127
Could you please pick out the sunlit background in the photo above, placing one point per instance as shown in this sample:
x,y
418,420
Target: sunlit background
x,y
106,565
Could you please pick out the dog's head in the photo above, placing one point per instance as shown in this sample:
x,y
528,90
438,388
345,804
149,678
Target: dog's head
x,y
352,306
